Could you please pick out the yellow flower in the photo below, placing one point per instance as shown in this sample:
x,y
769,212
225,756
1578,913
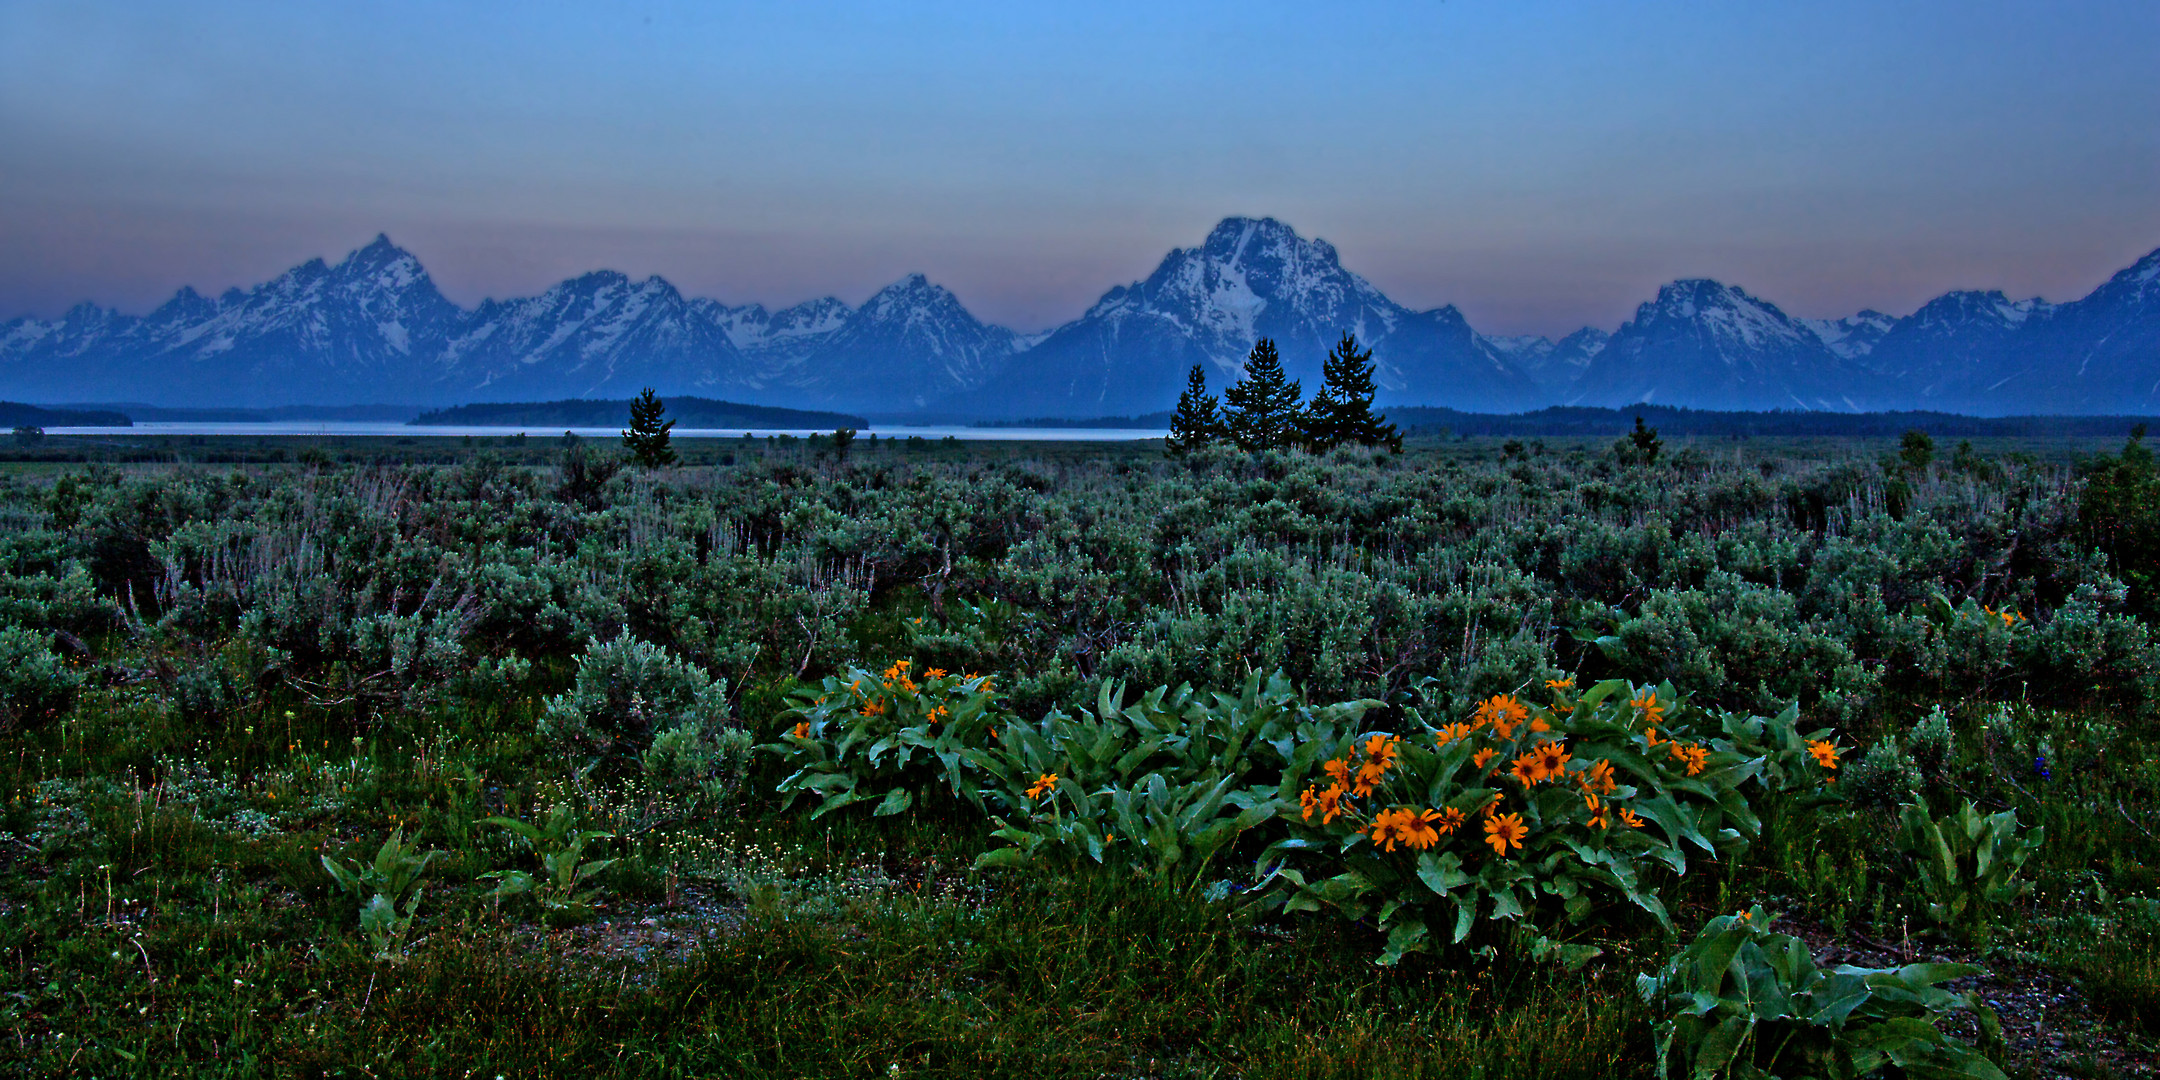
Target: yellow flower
x,y
1529,768
1338,770
1825,752
1446,820
1503,831
802,730
938,713
1695,757
1327,802
873,708
1502,713
1380,750
1598,810
1555,758
933,673
1420,829
1628,818
1560,684
1042,785
1651,708
1388,826
1598,778
1450,732
1481,757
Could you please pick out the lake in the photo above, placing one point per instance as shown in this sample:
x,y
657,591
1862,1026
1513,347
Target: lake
x,y
345,428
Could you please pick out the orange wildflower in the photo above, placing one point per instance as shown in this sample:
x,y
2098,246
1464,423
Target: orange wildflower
x,y
1651,708
1502,713
1504,831
1555,758
1481,757
802,730
1628,818
873,708
1327,802
1042,786
1694,757
1450,732
1530,769
1598,778
933,673
1825,752
1339,770
1560,684
1599,811
1421,830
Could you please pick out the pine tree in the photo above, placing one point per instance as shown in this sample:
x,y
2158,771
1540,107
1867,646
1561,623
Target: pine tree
x,y
1260,412
1197,423
1341,412
647,437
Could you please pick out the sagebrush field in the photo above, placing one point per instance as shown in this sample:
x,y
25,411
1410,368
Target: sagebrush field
x,y
803,759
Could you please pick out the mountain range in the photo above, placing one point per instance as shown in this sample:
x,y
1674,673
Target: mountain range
x,y
373,328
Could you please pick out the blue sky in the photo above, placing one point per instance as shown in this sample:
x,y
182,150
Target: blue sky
x,y
1539,164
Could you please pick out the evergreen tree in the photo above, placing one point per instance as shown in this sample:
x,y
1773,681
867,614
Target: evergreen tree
x,y
1261,411
1341,412
647,437
1198,422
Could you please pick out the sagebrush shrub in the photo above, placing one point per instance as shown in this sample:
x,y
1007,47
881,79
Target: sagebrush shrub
x,y
1882,778
626,692
35,683
1933,745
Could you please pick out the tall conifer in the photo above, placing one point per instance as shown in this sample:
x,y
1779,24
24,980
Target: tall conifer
x,y
1197,422
1260,412
647,436
1341,412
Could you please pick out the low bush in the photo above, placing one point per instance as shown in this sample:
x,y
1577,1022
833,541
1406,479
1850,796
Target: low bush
x,y
1744,1001
627,692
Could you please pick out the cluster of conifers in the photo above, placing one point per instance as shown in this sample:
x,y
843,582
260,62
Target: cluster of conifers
x,y
1266,410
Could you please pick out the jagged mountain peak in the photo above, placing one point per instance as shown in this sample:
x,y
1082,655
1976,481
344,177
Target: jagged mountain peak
x,y
1719,311
2137,283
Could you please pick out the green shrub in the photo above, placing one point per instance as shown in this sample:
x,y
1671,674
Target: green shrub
x,y
1933,746
35,683
627,691
694,756
1881,779
1742,1001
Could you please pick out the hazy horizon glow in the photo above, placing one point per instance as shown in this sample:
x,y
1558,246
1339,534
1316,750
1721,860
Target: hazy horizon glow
x,y
1541,165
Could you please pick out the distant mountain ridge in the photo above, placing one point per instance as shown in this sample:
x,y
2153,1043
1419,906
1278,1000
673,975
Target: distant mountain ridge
x,y
687,412
373,328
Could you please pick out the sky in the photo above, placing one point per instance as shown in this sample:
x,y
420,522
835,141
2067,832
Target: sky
x,y
1540,164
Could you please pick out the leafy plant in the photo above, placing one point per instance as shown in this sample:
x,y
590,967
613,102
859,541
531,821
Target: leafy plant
x,y
561,886
1161,787
1968,863
1530,815
387,891
1743,1001
886,737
